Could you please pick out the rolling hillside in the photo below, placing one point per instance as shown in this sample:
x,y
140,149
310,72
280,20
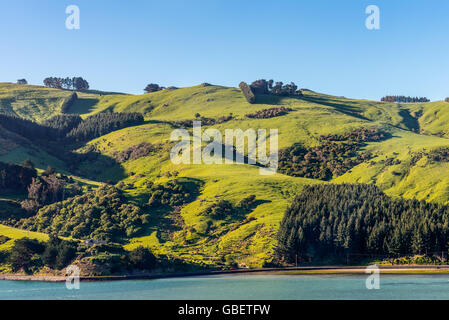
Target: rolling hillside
x,y
399,165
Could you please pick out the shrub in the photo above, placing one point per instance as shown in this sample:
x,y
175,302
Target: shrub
x,y
247,202
142,258
136,152
220,210
58,253
269,113
3,239
23,254
103,214
173,193
336,155
204,121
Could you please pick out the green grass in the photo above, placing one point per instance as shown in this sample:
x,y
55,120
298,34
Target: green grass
x,y
423,181
14,234
31,102
247,239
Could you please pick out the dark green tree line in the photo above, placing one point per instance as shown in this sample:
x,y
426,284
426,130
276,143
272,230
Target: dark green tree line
x,y
356,220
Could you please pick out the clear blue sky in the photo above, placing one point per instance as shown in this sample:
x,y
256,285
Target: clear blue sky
x,y
321,45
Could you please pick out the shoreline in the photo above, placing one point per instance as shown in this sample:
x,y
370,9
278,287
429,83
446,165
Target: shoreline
x,y
314,270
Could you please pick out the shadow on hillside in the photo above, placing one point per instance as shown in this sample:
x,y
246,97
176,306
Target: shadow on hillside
x,y
268,99
242,213
104,93
95,166
343,108
97,92
229,152
82,106
409,121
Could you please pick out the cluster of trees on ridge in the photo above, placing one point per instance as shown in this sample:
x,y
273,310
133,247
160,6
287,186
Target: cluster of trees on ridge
x,y
153,87
264,87
75,83
404,99
356,221
335,155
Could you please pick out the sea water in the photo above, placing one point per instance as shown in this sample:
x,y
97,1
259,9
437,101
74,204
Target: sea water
x,y
245,287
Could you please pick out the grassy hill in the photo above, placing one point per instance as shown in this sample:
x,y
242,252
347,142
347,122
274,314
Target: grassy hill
x,y
38,103
246,237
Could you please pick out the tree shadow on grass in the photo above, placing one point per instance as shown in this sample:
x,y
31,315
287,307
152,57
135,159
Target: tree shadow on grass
x,y
242,213
409,121
82,106
268,99
93,166
337,105
343,108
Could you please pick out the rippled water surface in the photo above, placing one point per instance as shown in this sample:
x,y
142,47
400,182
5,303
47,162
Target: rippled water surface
x,y
246,287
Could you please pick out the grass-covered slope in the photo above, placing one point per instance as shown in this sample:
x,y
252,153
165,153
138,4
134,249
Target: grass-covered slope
x,y
31,102
245,235
39,103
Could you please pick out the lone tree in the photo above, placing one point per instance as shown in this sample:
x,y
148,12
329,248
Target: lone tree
x,y
22,81
153,87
